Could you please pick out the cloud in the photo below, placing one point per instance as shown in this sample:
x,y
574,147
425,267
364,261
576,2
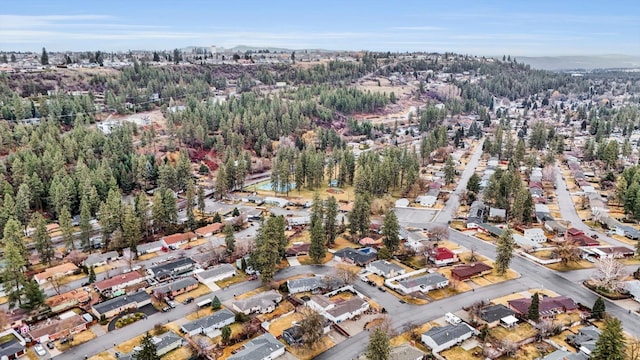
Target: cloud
x,y
418,28
33,21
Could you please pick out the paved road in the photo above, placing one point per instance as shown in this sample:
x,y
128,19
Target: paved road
x,y
568,212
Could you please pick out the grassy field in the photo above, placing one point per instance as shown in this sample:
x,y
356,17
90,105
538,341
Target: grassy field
x,y
306,260
582,264
405,337
208,310
181,353
283,308
278,325
517,333
303,353
197,292
79,338
238,278
458,353
103,356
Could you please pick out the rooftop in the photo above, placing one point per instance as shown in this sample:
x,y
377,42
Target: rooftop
x,y
258,348
121,301
209,321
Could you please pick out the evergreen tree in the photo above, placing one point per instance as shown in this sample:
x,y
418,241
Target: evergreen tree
x,y
225,333
473,184
391,231
148,349
611,343
504,251
598,310
66,227
360,215
92,275
85,222
534,309
215,303
131,230
269,247
44,58
317,250
34,296
229,239
41,238
201,202
379,347
217,218
22,204
191,204
221,185
449,170
331,213
13,277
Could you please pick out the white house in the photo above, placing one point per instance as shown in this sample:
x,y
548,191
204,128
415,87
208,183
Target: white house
x,y
535,234
304,284
402,203
262,303
525,242
338,311
264,347
209,324
385,269
423,283
426,200
440,338
216,273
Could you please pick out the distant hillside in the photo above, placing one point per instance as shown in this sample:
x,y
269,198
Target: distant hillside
x,y
243,48
582,62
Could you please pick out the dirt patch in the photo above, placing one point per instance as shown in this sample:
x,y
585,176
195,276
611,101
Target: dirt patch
x,y
335,191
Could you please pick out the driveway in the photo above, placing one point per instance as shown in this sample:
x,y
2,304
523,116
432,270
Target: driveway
x,y
293,261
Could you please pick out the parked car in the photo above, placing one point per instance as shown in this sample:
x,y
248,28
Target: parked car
x,y
40,350
188,300
252,277
50,345
166,309
382,289
172,304
402,301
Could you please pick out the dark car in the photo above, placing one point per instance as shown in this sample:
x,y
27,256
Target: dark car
x,y
382,289
188,300
50,345
402,301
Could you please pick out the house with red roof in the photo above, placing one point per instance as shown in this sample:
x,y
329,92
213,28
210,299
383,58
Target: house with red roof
x,y
467,271
119,282
549,306
176,240
442,256
209,230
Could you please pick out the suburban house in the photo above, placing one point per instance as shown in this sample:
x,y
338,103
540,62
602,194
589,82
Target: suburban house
x,y
166,342
476,214
12,346
442,256
209,324
497,214
96,259
297,249
549,306
176,288
264,347
338,311
535,234
424,283
55,329
305,284
406,352
580,238
119,282
209,230
468,271
120,304
611,252
562,354
633,287
171,269
55,272
359,257
440,338
280,202
176,240
262,303
494,315
585,340
216,273
294,335
385,268
149,248
68,300
555,226
525,242
426,200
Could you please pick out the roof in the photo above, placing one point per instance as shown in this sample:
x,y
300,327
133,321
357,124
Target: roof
x,y
346,307
166,339
466,270
548,305
57,270
11,347
615,250
97,258
566,355
209,321
405,352
262,300
442,253
149,246
56,326
79,295
211,228
443,334
586,337
321,300
258,348
117,280
356,256
121,301
386,267
171,266
216,271
311,283
493,230
495,312
296,249
426,280
633,287
176,238
496,212
176,285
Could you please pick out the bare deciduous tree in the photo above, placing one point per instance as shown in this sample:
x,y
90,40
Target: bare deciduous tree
x,y
509,347
347,273
312,327
609,274
439,233
567,252
633,349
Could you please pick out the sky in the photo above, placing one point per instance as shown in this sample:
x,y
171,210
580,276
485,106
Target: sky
x,y
488,28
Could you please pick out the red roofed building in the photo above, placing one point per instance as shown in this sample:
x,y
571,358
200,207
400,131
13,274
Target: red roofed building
x,y
209,230
298,249
119,282
549,306
467,271
442,256
574,232
176,240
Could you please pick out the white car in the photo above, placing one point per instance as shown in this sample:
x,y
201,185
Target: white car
x,y
40,350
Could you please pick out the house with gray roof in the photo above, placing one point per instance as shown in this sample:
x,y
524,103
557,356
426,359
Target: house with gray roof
x,y
120,304
167,342
585,340
216,273
440,338
305,284
176,288
262,303
149,248
264,347
209,324
97,259
476,214
565,355
494,313
385,268
172,269
423,283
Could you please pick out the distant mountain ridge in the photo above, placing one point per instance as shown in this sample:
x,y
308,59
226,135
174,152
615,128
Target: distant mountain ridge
x,y
581,62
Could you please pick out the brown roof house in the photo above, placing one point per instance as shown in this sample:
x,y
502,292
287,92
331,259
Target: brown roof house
x,y
468,271
68,300
58,328
549,306
119,282
55,272
209,230
176,240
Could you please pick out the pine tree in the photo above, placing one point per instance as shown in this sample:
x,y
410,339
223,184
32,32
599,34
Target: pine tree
x,y
42,239
13,277
611,343
269,247
92,275
66,227
201,202
44,58
360,215
191,204
473,184
504,251
331,213
221,185
598,310
148,349
229,239
22,205
225,333
317,250
449,170
379,347
534,309
391,231
85,222
131,230
13,234
34,296
215,303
